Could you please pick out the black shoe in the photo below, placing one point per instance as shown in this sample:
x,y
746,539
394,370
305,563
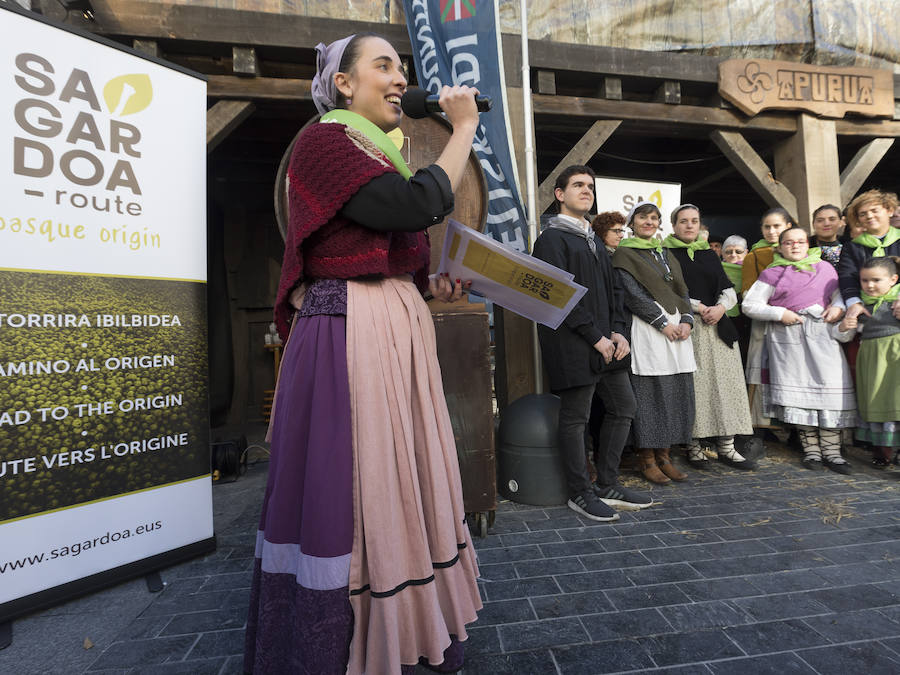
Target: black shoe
x,y
622,497
589,505
842,466
813,463
752,448
745,465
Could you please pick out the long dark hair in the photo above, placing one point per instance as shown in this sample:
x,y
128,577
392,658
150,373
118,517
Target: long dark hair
x,y
780,212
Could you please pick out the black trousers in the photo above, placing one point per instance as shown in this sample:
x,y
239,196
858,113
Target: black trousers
x,y
614,389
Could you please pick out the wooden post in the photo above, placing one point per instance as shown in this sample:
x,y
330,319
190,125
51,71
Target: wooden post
x,y
514,336
148,47
243,61
546,82
807,164
668,92
611,88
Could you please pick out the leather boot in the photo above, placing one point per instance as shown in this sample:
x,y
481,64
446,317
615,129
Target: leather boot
x,y
649,468
664,462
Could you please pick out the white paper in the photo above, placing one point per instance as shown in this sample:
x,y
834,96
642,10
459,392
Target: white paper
x,y
516,281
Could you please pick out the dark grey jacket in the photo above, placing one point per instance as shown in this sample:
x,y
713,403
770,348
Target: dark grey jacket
x,y
568,351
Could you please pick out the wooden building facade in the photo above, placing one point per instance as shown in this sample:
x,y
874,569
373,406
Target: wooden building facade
x,y
627,113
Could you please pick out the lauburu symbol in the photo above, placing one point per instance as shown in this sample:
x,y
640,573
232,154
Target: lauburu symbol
x,y
128,94
754,82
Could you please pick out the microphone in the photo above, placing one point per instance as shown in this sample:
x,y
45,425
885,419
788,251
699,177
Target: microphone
x,y
418,103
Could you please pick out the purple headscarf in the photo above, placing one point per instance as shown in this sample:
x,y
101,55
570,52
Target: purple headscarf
x,y
328,62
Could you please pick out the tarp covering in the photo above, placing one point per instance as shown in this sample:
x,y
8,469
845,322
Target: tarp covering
x,y
833,32
830,32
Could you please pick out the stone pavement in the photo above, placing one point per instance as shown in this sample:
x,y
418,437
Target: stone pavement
x,y
783,570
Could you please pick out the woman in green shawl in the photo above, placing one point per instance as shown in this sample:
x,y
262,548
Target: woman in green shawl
x,y
662,366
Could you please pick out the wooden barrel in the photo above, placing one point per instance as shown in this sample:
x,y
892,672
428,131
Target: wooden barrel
x,y
423,141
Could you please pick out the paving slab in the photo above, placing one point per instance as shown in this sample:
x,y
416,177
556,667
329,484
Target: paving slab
x,y
783,570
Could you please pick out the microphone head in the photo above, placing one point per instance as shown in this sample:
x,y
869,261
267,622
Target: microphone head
x,y
413,103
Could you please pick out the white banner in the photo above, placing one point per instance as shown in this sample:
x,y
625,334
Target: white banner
x,y
75,543
104,426
621,194
103,158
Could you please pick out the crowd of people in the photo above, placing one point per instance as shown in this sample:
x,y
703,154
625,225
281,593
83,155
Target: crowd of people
x,y
796,336
364,561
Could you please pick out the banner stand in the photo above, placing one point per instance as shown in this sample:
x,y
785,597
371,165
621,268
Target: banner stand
x,y
104,401
96,582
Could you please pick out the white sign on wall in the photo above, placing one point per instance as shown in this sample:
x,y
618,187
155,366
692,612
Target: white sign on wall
x,y
621,194
104,427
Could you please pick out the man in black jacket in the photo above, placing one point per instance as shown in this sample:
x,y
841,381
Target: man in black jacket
x,y
588,352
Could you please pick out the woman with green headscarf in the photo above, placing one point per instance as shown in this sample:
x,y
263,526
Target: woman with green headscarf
x,y
719,394
662,364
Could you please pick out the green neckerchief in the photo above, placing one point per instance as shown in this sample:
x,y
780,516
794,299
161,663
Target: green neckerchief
x,y
373,133
871,241
697,245
762,243
814,256
637,242
878,300
733,271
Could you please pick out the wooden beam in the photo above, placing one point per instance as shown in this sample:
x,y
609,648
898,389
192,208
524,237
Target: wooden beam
x,y
580,154
161,20
872,129
576,106
616,61
861,166
754,170
271,88
223,118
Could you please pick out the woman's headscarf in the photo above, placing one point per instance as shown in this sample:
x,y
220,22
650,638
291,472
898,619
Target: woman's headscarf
x,y
328,62
630,217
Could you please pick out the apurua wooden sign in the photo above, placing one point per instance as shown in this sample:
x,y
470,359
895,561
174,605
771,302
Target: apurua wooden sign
x,y
754,85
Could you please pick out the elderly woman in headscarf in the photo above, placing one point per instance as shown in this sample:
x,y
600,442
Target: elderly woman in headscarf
x,y
662,364
734,250
364,563
719,394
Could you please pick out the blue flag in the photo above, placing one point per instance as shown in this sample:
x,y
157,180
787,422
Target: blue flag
x,y
451,41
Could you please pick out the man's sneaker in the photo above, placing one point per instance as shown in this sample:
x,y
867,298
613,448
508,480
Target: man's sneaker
x,y
587,504
622,497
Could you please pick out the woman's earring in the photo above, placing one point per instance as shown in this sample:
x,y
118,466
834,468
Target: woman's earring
x,y
349,101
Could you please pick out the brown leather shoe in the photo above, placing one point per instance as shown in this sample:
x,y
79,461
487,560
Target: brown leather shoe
x,y
649,468
664,462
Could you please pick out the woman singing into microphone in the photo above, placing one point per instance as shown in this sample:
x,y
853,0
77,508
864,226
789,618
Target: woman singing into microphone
x,y
364,562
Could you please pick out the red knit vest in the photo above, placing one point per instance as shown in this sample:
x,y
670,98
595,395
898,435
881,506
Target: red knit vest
x,y
327,168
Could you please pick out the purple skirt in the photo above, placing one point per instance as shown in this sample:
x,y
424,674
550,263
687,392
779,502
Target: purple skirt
x,y
300,618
